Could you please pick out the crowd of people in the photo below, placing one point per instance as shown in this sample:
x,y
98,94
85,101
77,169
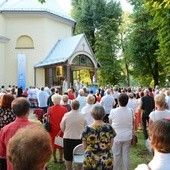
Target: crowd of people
x,y
104,121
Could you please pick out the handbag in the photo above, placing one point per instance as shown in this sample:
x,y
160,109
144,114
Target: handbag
x,y
58,140
47,124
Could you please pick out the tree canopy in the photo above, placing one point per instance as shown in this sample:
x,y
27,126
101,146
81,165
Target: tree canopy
x,y
100,20
143,46
145,42
160,10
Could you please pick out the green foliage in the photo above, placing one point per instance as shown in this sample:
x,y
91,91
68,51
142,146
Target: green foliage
x,y
41,1
100,20
142,46
160,10
105,47
139,153
125,61
85,77
88,14
145,45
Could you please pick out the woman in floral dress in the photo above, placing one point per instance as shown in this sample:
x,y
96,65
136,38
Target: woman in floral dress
x,y
97,141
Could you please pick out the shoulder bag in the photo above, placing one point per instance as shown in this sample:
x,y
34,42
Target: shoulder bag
x,y
47,124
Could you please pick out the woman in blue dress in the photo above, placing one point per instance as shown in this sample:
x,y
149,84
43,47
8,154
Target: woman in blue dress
x,y
97,141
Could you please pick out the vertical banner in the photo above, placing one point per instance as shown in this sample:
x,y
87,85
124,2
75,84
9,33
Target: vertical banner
x,y
21,71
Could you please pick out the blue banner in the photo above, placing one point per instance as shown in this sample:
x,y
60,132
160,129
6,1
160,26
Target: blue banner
x,y
21,71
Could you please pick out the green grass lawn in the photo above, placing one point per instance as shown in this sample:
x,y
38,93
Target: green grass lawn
x,y
138,154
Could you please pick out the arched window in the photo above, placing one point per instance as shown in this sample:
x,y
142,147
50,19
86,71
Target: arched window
x,y
24,42
82,60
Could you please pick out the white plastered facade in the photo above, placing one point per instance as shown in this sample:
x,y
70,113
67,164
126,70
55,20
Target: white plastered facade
x,y
42,29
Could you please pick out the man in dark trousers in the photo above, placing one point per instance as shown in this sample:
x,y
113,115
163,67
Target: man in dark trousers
x,y
147,106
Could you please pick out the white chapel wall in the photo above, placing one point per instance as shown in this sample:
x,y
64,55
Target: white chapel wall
x,y
44,33
2,51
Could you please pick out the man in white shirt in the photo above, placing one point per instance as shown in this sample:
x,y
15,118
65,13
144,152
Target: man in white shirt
x,y
108,103
42,97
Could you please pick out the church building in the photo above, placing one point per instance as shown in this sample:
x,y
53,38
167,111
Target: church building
x,y
38,46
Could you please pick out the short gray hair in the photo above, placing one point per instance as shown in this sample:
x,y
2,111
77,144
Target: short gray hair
x,y
75,104
98,112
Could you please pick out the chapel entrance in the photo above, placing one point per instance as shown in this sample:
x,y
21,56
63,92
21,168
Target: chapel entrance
x,y
81,68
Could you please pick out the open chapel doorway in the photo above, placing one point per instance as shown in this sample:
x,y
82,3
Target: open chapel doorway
x,y
85,77
81,68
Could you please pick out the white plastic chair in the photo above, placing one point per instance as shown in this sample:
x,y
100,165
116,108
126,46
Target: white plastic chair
x,y
78,155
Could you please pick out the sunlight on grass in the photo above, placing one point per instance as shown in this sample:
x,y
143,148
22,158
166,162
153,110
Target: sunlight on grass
x,y
138,154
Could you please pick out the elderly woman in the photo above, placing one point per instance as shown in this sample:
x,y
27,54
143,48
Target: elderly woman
x,y
97,141
160,111
65,102
56,113
30,148
87,109
160,139
72,124
6,114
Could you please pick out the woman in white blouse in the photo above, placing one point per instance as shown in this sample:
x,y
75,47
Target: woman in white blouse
x,y
72,124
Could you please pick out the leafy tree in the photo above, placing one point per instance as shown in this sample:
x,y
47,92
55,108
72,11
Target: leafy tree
x,y
160,10
123,34
99,20
89,15
105,48
141,47
42,1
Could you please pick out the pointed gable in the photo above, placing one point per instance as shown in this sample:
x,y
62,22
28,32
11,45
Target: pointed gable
x,y
64,49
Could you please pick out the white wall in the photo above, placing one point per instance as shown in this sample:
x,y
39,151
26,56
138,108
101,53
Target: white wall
x,y
44,31
2,51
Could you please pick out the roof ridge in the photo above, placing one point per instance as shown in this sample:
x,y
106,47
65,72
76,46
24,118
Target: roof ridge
x,y
59,45
51,7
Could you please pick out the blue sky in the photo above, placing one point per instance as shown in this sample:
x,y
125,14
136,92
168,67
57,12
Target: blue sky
x,y
66,5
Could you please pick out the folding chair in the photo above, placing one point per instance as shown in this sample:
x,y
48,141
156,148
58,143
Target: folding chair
x,y
78,155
